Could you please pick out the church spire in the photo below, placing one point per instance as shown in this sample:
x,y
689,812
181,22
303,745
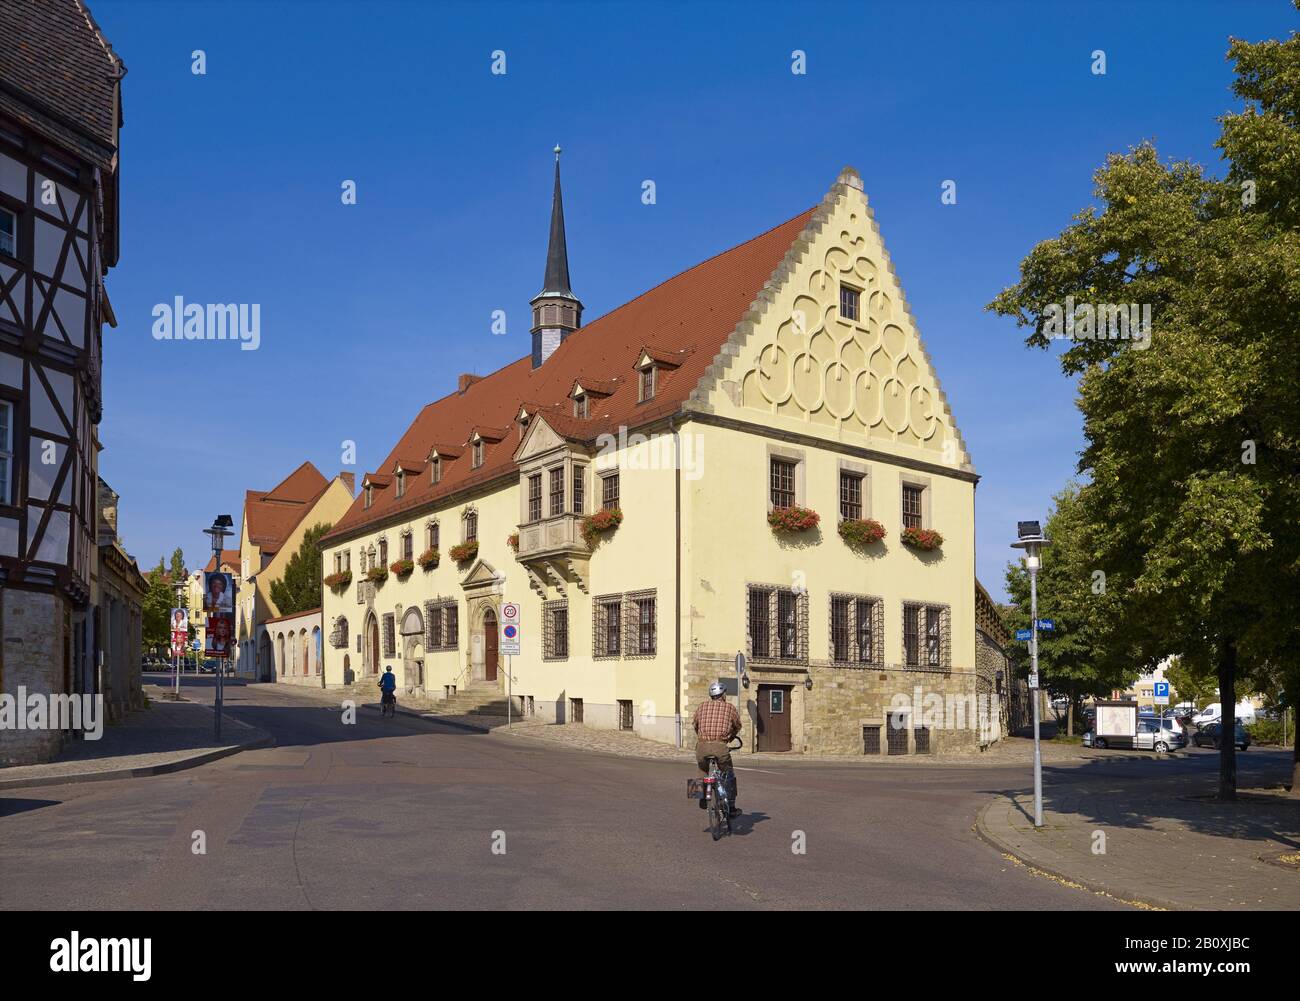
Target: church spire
x,y
556,310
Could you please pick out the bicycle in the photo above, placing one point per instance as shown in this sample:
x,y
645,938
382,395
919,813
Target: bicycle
x,y
388,704
713,789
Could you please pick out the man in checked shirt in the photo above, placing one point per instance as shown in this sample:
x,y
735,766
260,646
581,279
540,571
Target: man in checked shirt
x,y
716,722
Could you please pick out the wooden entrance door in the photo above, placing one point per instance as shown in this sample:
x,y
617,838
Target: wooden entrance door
x,y
490,645
774,717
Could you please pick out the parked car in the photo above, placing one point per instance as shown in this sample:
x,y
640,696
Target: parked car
x,y
1209,736
1244,713
1151,736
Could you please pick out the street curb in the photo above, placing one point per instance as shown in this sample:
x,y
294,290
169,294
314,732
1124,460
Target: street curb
x,y
434,718
991,839
193,761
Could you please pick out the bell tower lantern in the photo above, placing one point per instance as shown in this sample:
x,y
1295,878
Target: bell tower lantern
x,y
557,312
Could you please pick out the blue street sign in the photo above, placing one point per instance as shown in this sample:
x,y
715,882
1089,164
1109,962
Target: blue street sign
x,y
1023,634
1161,690
1046,625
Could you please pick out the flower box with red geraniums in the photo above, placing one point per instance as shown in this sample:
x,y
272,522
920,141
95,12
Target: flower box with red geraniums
x,y
338,581
921,538
793,519
428,559
604,520
403,568
861,531
463,551
377,575
512,540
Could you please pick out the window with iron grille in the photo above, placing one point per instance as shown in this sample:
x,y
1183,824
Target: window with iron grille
x,y
871,740
783,473
451,627
848,303
896,734
575,710
778,624
921,739
642,638
912,516
912,635
840,633
535,497
606,625
933,636
557,491
850,495
867,632
433,616
578,496
390,639
625,714
471,526
609,491
555,630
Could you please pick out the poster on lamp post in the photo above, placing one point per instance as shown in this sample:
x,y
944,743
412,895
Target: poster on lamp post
x,y
221,627
218,592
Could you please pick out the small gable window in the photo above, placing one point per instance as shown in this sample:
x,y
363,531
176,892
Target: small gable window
x,y
370,495
401,483
477,453
648,383
435,467
849,302
580,409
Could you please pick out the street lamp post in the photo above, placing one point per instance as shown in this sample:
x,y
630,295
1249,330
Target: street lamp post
x,y
1030,538
221,527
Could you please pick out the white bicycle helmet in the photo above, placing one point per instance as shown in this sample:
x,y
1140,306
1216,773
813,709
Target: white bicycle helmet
x,y
716,689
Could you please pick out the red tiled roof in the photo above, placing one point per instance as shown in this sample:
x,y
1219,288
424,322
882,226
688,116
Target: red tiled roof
x,y
230,557
595,387
272,516
689,318
664,356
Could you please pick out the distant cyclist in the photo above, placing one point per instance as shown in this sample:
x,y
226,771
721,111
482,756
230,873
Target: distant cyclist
x,y
716,722
388,685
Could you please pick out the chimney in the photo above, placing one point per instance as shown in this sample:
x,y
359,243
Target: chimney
x,y
466,380
349,481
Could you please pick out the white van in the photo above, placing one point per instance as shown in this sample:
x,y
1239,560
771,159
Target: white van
x,y
1245,713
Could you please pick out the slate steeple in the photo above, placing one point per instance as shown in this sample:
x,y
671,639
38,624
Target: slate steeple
x,y
557,312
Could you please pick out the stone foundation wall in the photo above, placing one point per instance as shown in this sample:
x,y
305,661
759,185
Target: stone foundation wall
x,y
34,636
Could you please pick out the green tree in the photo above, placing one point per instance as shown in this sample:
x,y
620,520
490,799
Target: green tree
x,y
1193,444
1081,657
1193,681
155,619
299,589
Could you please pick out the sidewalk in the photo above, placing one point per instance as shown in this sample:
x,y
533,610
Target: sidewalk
x,y
1166,846
166,737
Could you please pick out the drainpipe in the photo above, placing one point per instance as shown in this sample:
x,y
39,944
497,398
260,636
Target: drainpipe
x,y
677,587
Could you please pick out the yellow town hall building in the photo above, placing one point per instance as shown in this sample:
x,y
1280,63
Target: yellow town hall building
x,y
618,484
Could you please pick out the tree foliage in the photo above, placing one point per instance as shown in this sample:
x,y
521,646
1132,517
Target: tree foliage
x,y
1192,458
299,588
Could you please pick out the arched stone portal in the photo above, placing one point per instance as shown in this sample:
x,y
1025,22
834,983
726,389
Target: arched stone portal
x,y
413,649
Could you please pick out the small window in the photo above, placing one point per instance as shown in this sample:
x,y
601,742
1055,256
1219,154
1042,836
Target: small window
x,y
783,480
850,496
759,622
370,495
580,407
401,483
383,552
432,535
557,491
625,714
8,233
647,383
848,303
6,450
578,497
471,526
535,497
912,509
609,491
408,546
840,628
435,469
912,635
606,630
555,630
477,454
934,636
787,624
646,636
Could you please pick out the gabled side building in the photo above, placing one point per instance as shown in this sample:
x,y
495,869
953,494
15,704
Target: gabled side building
x,y
663,488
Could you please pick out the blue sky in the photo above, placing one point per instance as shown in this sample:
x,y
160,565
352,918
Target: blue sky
x,y
231,183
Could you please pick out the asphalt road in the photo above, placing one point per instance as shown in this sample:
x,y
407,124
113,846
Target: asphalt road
x,y
403,813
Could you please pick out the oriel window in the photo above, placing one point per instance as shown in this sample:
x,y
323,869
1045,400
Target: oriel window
x,y
535,497
557,491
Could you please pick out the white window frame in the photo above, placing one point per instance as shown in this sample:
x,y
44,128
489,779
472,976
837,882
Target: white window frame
x,y
11,251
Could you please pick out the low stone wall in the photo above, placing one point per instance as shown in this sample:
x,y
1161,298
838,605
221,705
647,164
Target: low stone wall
x,y
34,629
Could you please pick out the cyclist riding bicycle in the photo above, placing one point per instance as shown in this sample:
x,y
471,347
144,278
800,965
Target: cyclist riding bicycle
x,y
387,685
716,723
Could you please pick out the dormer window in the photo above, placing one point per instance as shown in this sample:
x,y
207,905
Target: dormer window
x,y
477,454
370,495
435,466
648,383
580,408
401,482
